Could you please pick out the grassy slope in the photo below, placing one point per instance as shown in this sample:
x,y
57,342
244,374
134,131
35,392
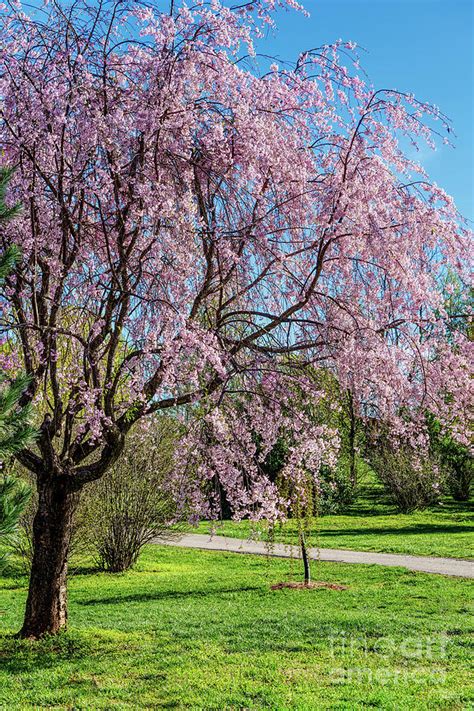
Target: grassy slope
x,y
372,524
196,630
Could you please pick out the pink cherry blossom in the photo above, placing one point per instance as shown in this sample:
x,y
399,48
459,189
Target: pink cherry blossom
x,y
194,235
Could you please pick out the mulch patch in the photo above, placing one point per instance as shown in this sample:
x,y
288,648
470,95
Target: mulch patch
x,y
309,586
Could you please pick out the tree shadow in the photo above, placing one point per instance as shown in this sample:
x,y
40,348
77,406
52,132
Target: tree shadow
x,y
85,570
20,656
17,572
164,595
414,529
377,502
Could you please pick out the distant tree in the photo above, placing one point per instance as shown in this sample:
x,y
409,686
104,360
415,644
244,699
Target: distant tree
x,y
455,457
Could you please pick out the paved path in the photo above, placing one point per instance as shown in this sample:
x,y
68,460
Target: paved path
x,y
442,566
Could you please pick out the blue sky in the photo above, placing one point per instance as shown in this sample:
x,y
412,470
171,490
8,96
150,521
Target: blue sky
x,y
421,46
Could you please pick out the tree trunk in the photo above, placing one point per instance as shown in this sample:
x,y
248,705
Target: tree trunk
x,y
352,438
306,563
46,605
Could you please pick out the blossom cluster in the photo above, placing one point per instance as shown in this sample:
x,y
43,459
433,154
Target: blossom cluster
x,y
195,235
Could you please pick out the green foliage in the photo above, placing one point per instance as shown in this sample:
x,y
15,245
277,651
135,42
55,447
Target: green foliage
x,y
275,459
14,495
8,260
338,486
336,490
6,213
454,457
16,431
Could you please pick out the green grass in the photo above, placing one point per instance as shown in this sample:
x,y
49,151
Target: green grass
x,y
203,630
372,524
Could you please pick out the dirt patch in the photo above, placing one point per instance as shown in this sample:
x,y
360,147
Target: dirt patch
x,y
309,586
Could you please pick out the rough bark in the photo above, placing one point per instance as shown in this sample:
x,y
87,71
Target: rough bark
x,y
46,605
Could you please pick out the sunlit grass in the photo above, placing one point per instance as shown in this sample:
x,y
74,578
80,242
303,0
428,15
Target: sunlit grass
x,y
197,630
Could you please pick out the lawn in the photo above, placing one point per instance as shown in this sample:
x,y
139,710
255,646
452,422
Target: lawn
x,y
203,630
373,524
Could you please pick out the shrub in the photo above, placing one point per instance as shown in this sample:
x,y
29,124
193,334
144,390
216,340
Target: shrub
x,y
133,503
410,481
116,516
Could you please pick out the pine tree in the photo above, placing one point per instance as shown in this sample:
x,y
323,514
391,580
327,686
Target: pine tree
x,y
15,429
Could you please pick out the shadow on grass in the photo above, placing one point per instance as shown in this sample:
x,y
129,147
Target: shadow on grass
x,y
85,570
17,573
73,647
376,502
19,656
416,529
165,595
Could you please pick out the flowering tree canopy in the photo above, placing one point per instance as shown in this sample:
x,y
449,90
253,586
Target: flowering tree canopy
x,y
195,231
